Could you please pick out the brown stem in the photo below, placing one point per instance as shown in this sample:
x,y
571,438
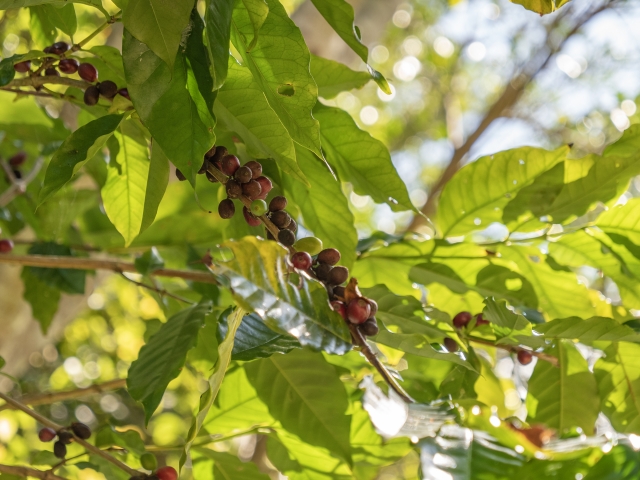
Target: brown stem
x,y
49,79
29,472
76,263
18,186
513,349
110,21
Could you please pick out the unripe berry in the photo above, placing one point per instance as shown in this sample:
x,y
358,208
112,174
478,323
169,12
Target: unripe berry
x,y
180,176
524,357
47,434
450,344
91,95
277,203
370,327
322,272
108,89
59,48
88,72
18,159
229,164
51,72
301,260
251,190
6,245
80,430
338,275
167,473
266,186
124,92
280,219
256,168
65,437
461,319
22,67
258,207
293,226
358,311
330,256
251,219
311,245
59,449
226,208
286,237
340,307
149,461
374,307
234,189
68,65
480,320
243,174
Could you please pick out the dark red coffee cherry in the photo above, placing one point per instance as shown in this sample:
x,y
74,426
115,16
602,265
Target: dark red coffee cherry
x,y
219,153
251,189
47,49
358,311
451,345
88,72
22,67
301,260
286,237
17,174
338,275
51,72
266,186
461,319
180,176
374,307
323,271
256,168
167,473
277,203
280,219
330,256
6,245
18,159
339,291
370,327
250,218
211,152
91,95
524,357
65,437
59,48
293,226
47,434
340,307
205,165
59,449
230,164
226,209
108,89
124,92
234,189
481,321
80,430
68,65
243,174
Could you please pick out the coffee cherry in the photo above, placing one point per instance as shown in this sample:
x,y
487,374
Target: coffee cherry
x,y
47,49
277,203
338,275
108,89
6,245
286,237
210,177
167,473
180,176
205,165
340,307
256,168
243,174
51,72
22,67
266,186
293,226
461,319
234,189
59,449
311,245
301,260
339,291
68,65
374,307
226,209
148,461
18,159
80,430
322,272
481,321
219,153
450,344
124,92
258,207
91,95
358,311
252,190
65,437
370,327
280,219
524,357
329,256
250,218
47,434
229,164
59,48
17,174
140,477
88,72
211,152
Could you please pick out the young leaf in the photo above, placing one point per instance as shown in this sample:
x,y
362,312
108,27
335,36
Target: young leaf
x,y
162,358
305,394
566,396
335,77
75,151
595,329
218,30
158,24
361,159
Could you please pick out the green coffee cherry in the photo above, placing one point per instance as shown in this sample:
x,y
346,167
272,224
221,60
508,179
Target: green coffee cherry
x,y
148,461
259,207
311,245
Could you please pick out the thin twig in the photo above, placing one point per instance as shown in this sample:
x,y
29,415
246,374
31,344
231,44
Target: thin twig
x,y
29,472
48,79
160,291
513,349
18,186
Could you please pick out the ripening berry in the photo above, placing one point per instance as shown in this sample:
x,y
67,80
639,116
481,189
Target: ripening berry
x,y
229,164
266,186
358,311
180,176
226,208
322,272
258,207
243,174
59,48
293,226
256,168
18,159
47,434
80,430
301,260
374,307
108,89
251,190
461,319
286,237
338,275
251,219
311,245
6,245
68,65
234,189
59,449
481,321
329,256
51,72
91,95
277,203
450,344
524,357
124,92
280,219
340,307
22,67
167,473
88,72
65,437
149,461
370,327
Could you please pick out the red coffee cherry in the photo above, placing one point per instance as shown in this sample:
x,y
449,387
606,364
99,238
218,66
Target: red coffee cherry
x,y
461,319
51,72
229,164
243,174
277,203
301,260
481,321
219,153
266,186
329,256
22,67
358,310
6,245
524,357
68,65
88,72
451,345
374,307
167,473
340,307
18,159
256,168
369,328
59,48
251,189
47,434
280,219
248,216
124,92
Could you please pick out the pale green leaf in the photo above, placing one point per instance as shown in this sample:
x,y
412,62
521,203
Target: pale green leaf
x,y
108,62
622,220
258,12
210,465
217,18
507,325
335,77
595,329
157,182
542,7
11,4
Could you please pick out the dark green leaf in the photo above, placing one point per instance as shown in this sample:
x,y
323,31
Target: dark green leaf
x,y
218,20
66,280
334,77
130,440
149,261
157,182
197,56
42,297
7,72
52,17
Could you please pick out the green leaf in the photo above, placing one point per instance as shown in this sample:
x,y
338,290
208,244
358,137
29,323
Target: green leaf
x,y
158,24
566,396
218,30
324,208
243,108
507,325
361,159
284,79
130,440
258,12
75,151
42,30
162,358
477,194
198,59
335,77
157,182
542,7
618,375
61,17
108,61
210,465
42,297
622,220
306,395
7,72
11,4
3,362
149,262
123,195
225,347
595,329
64,279
256,273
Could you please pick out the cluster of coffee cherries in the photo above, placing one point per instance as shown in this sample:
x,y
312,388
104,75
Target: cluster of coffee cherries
x,y
65,437
86,71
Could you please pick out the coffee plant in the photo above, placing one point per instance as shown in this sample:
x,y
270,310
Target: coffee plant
x,y
187,167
